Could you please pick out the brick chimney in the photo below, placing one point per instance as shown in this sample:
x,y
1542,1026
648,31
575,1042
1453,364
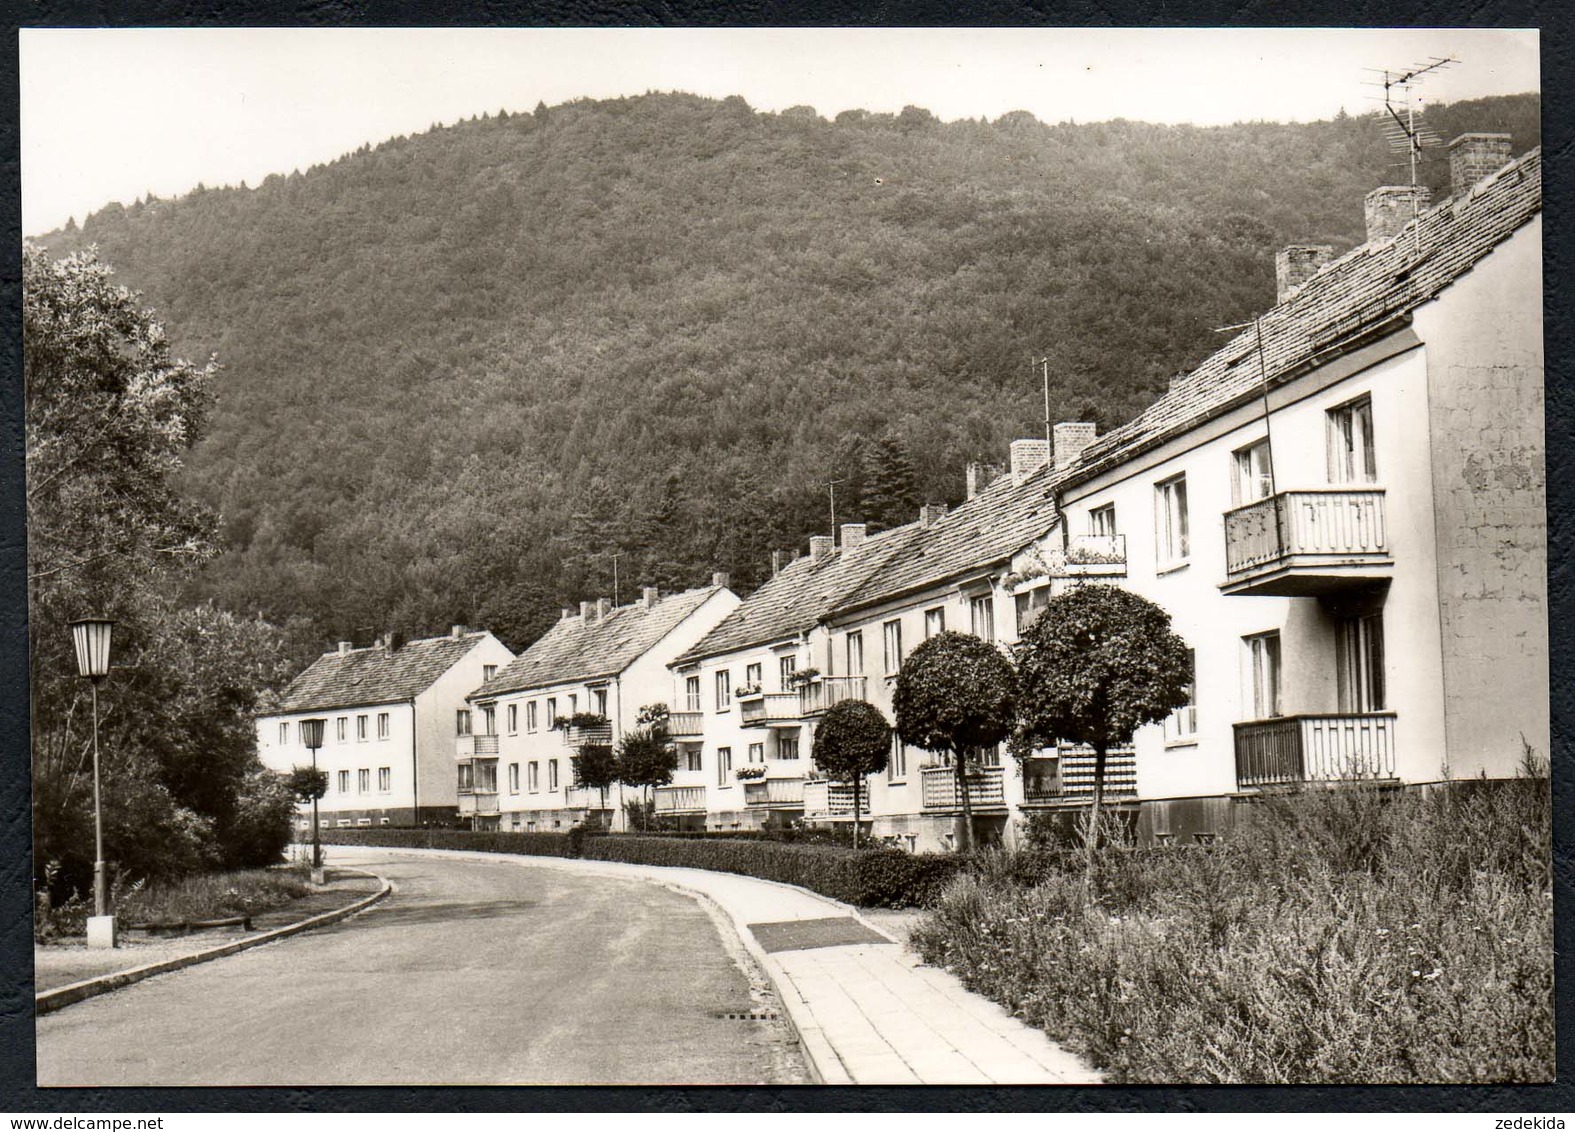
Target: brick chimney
x,y
587,611
1296,264
650,596
1391,207
344,647
980,476
566,613
721,579
1473,157
1028,456
1071,437
777,562
603,607
457,632
853,535
931,513
821,547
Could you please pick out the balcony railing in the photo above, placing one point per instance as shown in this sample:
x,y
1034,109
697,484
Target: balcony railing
x,y
600,733
585,798
828,799
771,707
680,799
1315,748
1068,776
774,792
475,747
1096,556
686,724
828,690
1306,542
940,789
478,802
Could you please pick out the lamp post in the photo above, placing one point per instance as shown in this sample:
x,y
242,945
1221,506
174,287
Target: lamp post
x,y
312,736
91,637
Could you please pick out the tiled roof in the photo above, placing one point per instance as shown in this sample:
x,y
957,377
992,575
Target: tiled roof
x,y
375,675
987,529
803,592
577,649
1371,286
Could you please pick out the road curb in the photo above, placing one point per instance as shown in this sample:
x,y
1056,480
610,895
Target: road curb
x,y
46,1002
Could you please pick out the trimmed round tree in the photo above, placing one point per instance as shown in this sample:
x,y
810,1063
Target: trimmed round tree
x,y
956,694
852,740
596,767
647,758
1095,665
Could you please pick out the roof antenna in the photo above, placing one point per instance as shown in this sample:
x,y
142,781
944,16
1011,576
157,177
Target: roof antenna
x,y
831,485
1044,366
1404,127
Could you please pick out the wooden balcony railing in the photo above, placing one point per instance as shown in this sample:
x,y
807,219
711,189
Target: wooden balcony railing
x,y
828,690
1068,776
686,724
774,792
1297,538
600,734
940,789
1315,748
680,799
826,799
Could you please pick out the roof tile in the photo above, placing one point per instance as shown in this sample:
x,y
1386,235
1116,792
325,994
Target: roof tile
x,y
375,675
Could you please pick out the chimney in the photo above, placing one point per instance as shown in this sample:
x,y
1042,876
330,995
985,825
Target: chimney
x,y
587,611
931,513
980,477
821,547
567,613
1071,437
344,647
721,579
1391,207
852,535
1474,157
603,606
393,640
649,596
777,562
1296,264
1028,456
457,632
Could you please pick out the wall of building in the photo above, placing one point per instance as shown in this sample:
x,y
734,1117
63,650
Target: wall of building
x,y
436,712
1485,372
353,756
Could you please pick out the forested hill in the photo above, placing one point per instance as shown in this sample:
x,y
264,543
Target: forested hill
x,y
463,370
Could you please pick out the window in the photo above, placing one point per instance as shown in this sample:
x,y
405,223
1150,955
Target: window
x,y
1030,605
724,690
1170,521
467,777
1254,474
1263,657
574,703
533,777
599,701
489,719
552,712
339,729
981,615
552,774
382,725
488,671
462,722
360,729
1102,520
284,734
855,653
487,777
752,675
530,716
1351,456
897,762
692,693
787,747
1361,663
724,766
363,781
934,622
1182,724
385,779
786,667
514,778
692,757
514,719
757,752
891,634
344,782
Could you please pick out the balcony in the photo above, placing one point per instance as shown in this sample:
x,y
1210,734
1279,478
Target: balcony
x,y
829,690
686,725
1305,543
585,798
771,709
782,793
828,799
940,790
1068,776
599,734
1095,556
1315,748
475,802
680,799
467,747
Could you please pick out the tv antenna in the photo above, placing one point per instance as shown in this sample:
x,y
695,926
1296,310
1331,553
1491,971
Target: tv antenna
x,y
1043,365
1404,127
831,486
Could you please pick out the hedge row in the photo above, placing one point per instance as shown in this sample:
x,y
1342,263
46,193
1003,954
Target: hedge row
x,y
870,878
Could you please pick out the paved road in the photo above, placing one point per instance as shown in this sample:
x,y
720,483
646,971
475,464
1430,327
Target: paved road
x,y
473,972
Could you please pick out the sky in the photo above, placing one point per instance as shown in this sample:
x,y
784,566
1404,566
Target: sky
x,y
117,114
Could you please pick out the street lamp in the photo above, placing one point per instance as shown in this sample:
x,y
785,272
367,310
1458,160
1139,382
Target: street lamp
x,y
312,736
91,637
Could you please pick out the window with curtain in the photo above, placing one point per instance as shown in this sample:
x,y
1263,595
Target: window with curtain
x,y
1263,670
1170,522
1254,478
1352,458
1360,666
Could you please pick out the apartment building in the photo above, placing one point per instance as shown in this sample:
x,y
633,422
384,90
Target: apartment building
x,y
746,696
584,682
389,714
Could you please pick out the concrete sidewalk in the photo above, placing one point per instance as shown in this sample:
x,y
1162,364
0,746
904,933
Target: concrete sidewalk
x,y
865,1010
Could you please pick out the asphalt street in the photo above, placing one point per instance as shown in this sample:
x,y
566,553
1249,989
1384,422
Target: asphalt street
x,y
472,972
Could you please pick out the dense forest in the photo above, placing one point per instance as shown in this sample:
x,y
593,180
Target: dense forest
x,y
468,374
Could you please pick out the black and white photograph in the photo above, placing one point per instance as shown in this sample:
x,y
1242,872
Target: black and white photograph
x,y
786,557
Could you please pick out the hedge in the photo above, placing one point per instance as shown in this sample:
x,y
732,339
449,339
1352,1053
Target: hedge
x,y
870,878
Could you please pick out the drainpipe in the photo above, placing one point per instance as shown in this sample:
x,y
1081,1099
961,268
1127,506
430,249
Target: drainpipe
x,y
415,771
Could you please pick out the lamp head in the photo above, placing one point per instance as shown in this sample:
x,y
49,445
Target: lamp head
x,y
91,636
312,733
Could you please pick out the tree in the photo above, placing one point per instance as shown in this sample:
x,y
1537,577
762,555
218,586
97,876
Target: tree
x,y
956,694
595,766
307,784
1095,665
852,741
888,498
646,755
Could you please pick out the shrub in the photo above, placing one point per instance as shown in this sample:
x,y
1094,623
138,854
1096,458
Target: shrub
x,y
530,844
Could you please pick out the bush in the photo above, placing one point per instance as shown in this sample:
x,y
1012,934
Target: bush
x,y
1340,936
528,844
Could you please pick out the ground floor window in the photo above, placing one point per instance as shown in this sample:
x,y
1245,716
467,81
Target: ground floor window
x,y
1182,726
